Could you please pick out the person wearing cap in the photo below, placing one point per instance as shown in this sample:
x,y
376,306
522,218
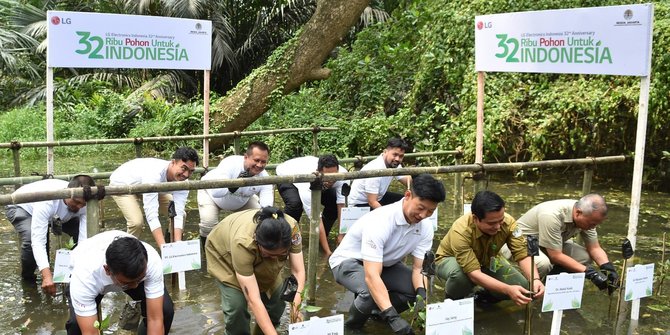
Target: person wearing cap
x,y
212,201
246,254
468,255
149,171
370,259
33,220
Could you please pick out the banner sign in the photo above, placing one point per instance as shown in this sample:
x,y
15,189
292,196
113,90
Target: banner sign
x,y
181,256
101,40
639,281
563,291
599,40
451,317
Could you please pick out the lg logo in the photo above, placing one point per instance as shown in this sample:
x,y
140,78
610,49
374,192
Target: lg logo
x,y
481,25
57,20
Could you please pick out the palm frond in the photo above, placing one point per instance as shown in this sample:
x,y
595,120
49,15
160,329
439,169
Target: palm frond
x,y
371,16
193,9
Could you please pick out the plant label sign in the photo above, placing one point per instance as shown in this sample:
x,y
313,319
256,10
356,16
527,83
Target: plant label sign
x,y
351,215
332,325
451,317
639,281
563,291
181,256
62,267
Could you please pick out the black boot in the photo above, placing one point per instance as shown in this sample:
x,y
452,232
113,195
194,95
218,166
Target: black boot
x,y
356,319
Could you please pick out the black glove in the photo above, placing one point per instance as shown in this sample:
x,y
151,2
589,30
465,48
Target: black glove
x,y
56,225
243,174
596,277
612,277
397,324
420,304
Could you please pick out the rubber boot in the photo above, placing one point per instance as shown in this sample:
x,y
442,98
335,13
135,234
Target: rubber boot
x,y
356,319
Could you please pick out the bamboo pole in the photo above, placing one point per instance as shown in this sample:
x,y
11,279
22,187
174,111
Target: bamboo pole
x,y
458,184
160,138
17,164
200,170
588,178
479,142
205,118
313,248
242,182
92,217
315,141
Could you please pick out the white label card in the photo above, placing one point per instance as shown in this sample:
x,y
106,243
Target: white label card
x,y
451,317
181,256
639,281
351,215
62,267
563,291
332,325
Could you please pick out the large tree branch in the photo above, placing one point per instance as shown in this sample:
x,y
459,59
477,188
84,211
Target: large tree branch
x,y
296,62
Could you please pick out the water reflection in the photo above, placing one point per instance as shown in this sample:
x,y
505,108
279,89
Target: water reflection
x,y
198,307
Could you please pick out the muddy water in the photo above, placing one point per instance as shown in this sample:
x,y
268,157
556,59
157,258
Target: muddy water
x,y
198,308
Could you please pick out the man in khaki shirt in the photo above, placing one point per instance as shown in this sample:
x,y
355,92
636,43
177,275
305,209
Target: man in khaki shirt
x,y
467,255
555,223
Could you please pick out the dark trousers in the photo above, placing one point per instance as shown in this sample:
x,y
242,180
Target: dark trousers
x,y
397,278
22,222
388,198
293,204
136,294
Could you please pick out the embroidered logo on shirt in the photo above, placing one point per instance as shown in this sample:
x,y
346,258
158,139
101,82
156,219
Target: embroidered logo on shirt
x,y
517,232
296,238
372,244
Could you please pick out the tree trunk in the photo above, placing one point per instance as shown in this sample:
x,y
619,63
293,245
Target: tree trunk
x,y
294,63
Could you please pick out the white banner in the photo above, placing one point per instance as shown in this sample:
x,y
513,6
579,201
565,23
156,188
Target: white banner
x,y
101,40
331,325
349,215
599,40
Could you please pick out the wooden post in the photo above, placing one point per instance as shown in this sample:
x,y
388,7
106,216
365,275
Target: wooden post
x,y
480,182
50,119
138,147
205,120
588,178
92,217
315,141
17,163
458,185
236,143
313,248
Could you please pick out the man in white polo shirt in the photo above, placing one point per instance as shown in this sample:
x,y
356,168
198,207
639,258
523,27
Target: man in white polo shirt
x,y
115,261
33,220
149,171
298,196
212,201
369,261
373,192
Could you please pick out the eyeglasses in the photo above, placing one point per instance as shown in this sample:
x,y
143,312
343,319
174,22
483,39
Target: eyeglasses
x,y
125,284
281,254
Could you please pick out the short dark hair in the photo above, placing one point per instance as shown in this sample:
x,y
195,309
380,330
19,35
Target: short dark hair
x,y
397,142
273,232
427,187
259,145
326,161
485,202
186,154
127,256
81,180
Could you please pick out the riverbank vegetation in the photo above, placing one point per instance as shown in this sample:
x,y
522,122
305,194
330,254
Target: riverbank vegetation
x,y
408,73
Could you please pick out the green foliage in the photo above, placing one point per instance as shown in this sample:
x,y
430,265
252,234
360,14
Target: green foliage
x,y
101,326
